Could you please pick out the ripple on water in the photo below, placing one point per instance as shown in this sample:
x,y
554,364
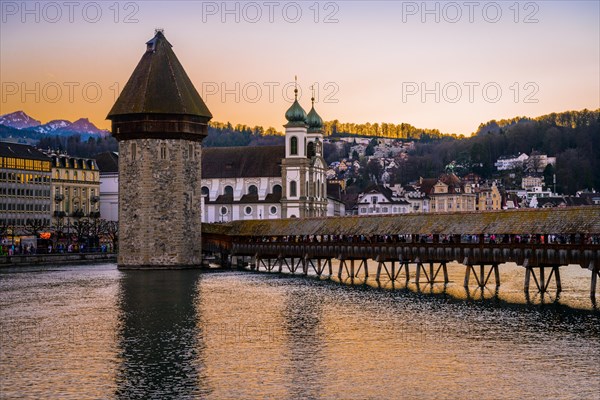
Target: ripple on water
x,y
95,332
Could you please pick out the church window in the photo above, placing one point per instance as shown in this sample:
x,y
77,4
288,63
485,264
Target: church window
x,y
204,190
277,189
273,210
133,151
311,149
228,191
294,146
252,189
293,189
223,210
248,210
163,151
191,151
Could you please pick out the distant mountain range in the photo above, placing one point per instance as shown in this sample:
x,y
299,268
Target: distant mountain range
x,y
20,125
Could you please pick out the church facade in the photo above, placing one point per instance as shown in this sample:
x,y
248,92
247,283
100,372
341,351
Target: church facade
x,y
269,182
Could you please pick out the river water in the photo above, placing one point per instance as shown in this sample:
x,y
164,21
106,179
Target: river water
x,y
79,332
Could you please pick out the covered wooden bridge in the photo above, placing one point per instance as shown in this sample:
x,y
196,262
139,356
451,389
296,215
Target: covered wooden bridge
x,y
540,240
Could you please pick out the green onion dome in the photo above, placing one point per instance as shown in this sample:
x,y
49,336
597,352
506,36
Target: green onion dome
x,y
296,113
314,120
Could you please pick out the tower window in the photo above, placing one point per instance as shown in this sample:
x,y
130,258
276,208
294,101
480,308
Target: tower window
x,y
294,146
293,189
163,151
277,189
228,191
133,151
311,149
191,151
252,189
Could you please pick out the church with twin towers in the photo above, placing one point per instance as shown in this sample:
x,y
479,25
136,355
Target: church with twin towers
x,y
268,182
169,184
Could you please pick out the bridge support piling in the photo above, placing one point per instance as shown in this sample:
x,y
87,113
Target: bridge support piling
x,y
595,274
540,280
363,263
305,265
482,278
392,273
433,272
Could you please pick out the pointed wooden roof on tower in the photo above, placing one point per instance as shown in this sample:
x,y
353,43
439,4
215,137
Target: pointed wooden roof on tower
x,y
159,85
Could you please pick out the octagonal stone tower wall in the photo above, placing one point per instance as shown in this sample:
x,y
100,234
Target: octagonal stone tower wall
x,y
159,120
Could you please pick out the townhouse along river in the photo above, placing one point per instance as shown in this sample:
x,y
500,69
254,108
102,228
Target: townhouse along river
x,y
92,331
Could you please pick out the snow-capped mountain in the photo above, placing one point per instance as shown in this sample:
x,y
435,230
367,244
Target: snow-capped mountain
x,y
18,120
51,126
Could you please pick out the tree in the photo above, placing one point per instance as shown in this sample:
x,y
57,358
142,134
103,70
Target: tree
x,y
35,226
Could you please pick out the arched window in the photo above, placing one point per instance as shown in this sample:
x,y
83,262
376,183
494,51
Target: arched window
x,y
204,191
228,191
293,189
294,146
311,149
252,189
277,189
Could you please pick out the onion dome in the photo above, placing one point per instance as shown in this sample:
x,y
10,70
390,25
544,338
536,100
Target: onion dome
x,y
314,120
296,114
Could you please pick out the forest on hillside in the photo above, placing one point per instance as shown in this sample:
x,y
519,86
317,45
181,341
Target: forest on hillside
x,y
573,137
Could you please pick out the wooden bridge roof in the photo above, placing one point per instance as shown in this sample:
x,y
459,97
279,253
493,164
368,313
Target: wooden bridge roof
x,y
570,220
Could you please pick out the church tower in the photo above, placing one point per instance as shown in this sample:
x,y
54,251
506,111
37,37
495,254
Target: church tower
x,y
303,168
159,120
317,165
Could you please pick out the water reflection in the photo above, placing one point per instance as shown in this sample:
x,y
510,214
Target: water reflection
x,y
305,334
159,339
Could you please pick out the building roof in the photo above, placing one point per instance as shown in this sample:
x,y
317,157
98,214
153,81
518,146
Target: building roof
x,y
242,162
24,151
159,85
567,220
108,161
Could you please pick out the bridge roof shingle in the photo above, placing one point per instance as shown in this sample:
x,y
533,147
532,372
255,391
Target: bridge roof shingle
x,y
570,220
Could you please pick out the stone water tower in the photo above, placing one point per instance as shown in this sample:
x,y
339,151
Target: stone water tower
x,y
159,120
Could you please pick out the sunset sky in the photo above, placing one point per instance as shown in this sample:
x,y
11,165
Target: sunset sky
x,y
371,61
